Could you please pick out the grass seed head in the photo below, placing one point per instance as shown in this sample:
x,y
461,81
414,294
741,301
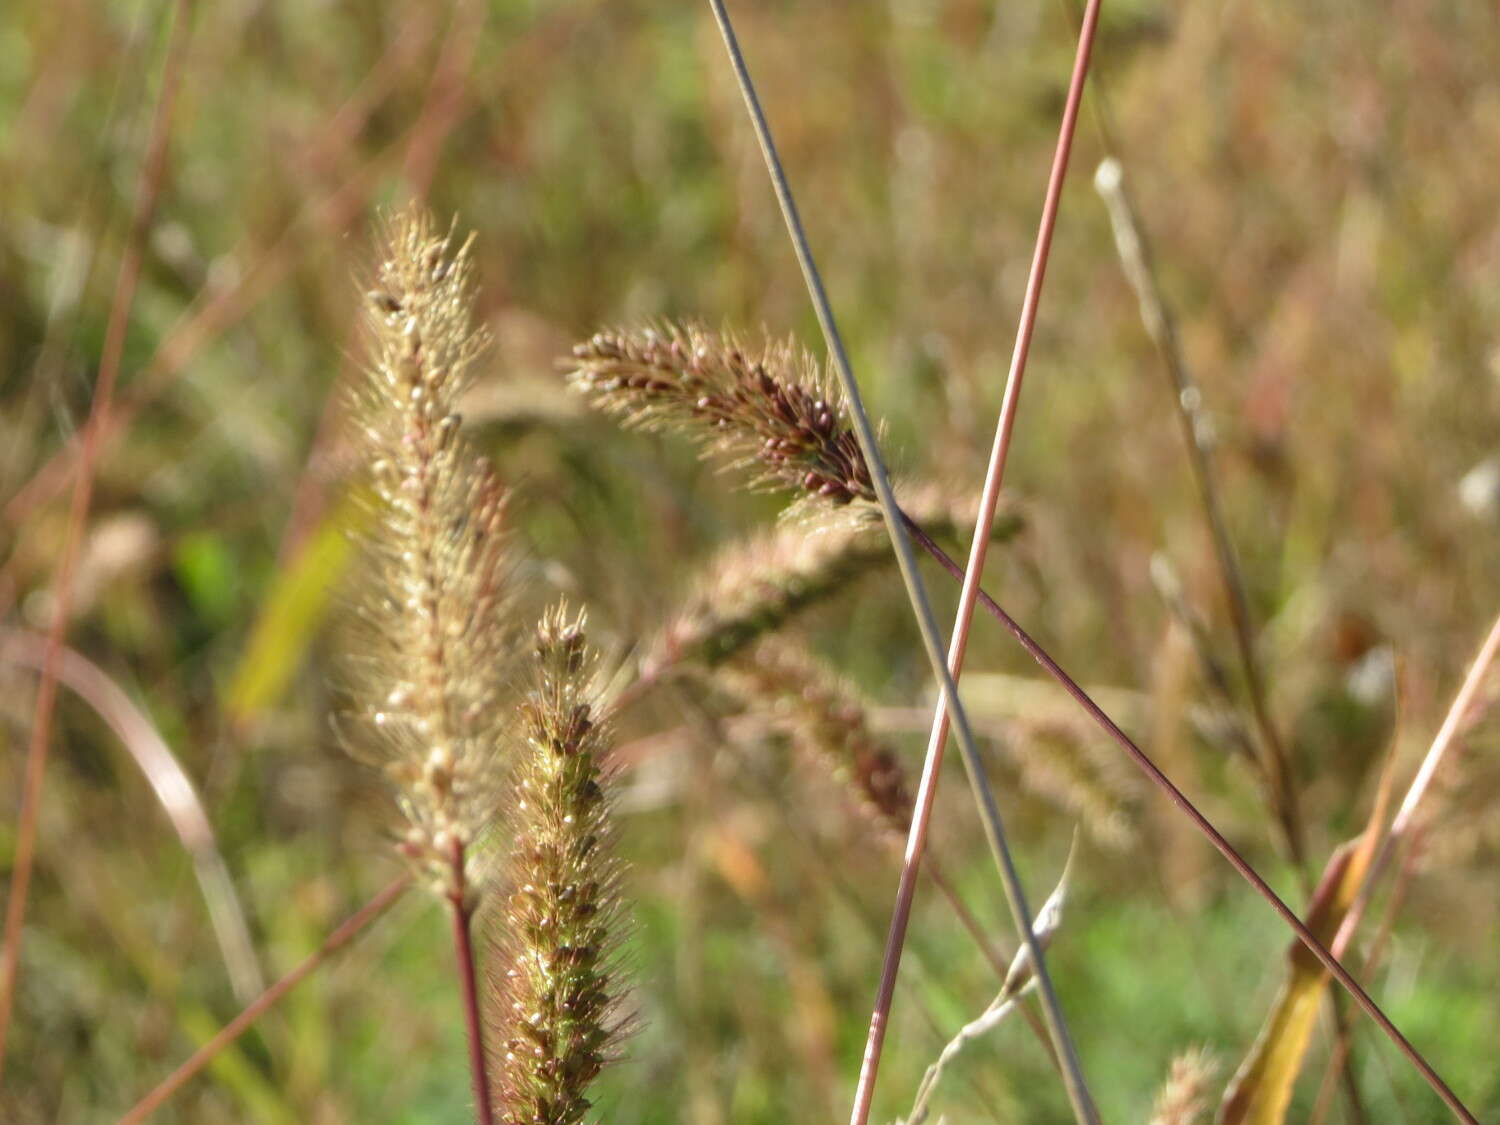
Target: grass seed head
x,y
438,652
554,980
826,718
770,409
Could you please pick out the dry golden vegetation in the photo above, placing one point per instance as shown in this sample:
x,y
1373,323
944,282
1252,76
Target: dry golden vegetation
x,y
295,483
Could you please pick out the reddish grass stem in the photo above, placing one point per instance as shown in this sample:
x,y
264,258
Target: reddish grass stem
x,y
979,549
1400,830
1401,825
241,1023
916,590
212,314
461,908
1205,826
148,190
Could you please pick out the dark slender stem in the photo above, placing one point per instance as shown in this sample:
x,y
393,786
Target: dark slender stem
x,y
978,551
1135,257
637,689
148,191
461,910
1205,826
263,1003
916,591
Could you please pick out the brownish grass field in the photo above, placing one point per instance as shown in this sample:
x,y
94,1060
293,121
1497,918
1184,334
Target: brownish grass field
x,y
1318,182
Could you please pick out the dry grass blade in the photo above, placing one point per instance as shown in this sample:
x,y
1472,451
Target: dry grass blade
x,y
1460,715
1262,1088
346,932
173,789
897,527
1466,709
1019,979
148,190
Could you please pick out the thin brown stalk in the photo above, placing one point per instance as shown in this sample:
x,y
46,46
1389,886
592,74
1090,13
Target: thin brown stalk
x,y
461,914
916,591
446,95
1206,827
221,307
440,640
342,936
148,191
979,549
1197,436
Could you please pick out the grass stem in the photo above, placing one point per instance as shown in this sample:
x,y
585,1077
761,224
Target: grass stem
x,y
1205,826
461,912
979,549
1135,259
1078,1095
342,936
153,171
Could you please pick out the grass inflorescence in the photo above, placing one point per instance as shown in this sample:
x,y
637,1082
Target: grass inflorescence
x,y
556,992
770,408
829,722
440,638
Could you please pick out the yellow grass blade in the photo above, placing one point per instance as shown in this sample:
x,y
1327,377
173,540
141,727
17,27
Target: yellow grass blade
x,y
292,612
1261,1089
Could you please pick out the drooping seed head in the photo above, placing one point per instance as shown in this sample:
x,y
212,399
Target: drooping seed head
x,y
826,719
770,409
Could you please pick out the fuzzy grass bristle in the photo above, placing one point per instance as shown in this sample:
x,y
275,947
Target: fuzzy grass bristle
x,y
555,985
439,646
754,586
826,719
770,408
1062,762
1187,1093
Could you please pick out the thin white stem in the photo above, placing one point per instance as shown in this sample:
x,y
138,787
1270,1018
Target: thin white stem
x,y
1000,1007
1458,713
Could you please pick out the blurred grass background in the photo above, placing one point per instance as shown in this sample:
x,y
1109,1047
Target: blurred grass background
x,y
1319,184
